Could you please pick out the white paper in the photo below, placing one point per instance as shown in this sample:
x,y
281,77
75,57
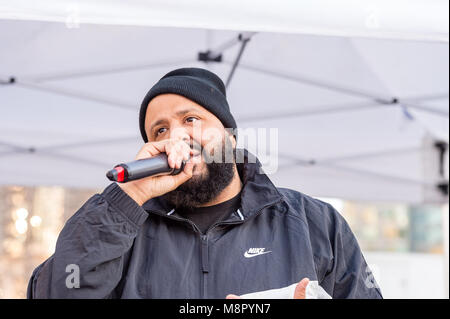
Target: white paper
x,y
313,291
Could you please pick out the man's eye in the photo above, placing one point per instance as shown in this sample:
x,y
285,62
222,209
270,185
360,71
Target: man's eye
x,y
191,119
160,130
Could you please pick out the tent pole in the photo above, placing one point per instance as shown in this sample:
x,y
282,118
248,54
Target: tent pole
x,y
90,143
75,159
78,95
351,91
425,109
311,112
102,71
320,83
22,149
71,158
11,80
216,54
427,97
244,41
358,171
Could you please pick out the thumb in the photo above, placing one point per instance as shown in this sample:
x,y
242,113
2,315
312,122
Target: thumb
x,y
300,289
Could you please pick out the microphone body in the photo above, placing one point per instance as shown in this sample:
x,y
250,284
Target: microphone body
x,y
153,166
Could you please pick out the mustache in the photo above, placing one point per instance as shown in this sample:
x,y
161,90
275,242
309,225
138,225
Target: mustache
x,y
226,152
195,146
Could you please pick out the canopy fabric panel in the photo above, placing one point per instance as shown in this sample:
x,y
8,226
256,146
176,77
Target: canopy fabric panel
x,y
363,119
399,19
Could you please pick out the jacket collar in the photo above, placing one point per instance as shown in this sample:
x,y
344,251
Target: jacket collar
x,y
257,192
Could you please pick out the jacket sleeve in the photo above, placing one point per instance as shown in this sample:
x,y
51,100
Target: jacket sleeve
x,y
348,275
91,250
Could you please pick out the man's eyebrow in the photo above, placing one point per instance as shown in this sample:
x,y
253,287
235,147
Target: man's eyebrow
x,y
183,112
160,121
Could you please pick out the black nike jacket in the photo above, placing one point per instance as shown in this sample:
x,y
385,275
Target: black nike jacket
x,y
114,248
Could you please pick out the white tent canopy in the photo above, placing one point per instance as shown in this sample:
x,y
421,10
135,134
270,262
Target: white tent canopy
x,y
404,19
357,118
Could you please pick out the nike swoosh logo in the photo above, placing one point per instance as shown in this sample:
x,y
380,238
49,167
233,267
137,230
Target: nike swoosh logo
x,y
248,255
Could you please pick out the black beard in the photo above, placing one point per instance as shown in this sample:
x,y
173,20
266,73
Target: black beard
x,y
203,188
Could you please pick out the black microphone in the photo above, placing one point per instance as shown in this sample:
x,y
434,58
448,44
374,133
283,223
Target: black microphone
x,y
153,166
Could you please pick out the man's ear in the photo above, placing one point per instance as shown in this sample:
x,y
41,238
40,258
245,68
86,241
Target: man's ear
x,y
232,138
233,141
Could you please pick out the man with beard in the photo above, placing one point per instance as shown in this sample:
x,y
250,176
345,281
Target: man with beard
x,y
218,229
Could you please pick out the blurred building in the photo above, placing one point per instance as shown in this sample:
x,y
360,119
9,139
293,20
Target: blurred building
x,y
30,221
406,246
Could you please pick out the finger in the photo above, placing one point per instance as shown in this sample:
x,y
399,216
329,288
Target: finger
x,y
183,153
184,175
186,152
231,296
171,182
151,149
173,154
177,151
300,289
154,148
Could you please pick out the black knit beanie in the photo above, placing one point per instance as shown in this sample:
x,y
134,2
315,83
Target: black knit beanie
x,y
196,84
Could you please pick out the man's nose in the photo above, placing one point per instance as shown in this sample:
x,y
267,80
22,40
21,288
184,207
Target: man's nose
x,y
180,133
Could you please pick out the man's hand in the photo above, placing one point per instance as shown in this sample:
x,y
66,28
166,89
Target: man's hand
x,y
299,293
177,150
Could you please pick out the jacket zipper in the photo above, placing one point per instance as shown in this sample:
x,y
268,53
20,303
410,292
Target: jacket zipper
x,y
205,250
205,244
205,265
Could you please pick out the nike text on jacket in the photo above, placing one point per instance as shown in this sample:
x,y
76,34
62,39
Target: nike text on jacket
x,y
114,248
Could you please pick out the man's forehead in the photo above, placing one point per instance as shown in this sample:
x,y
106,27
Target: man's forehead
x,y
175,105
163,110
